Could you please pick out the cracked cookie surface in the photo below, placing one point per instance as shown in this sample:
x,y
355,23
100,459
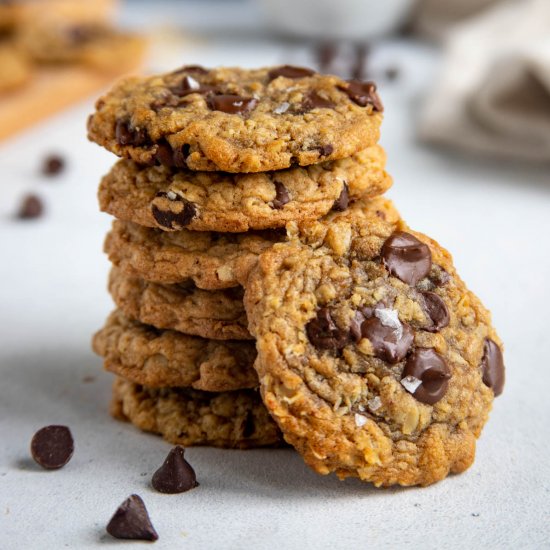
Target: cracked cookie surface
x,y
215,201
374,358
216,260
237,120
166,358
236,419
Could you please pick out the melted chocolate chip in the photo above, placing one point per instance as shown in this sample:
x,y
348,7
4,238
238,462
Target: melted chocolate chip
x,y
248,427
436,311
325,150
323,332
232,104
289,71
387,344
180,156
439,277
492,367
428,367
53,165
281,196
314,101
31,207
127,135
175,475
166,156
52,447
172,211
406,257
131,521
189,85
363,94
355,326
341,203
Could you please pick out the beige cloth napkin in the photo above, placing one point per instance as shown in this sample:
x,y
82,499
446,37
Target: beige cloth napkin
x,y
493,95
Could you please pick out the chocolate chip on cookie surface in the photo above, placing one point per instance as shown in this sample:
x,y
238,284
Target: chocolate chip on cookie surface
x,y
374,358
237,120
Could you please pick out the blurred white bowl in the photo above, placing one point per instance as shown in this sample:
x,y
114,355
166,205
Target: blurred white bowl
x,y
336,19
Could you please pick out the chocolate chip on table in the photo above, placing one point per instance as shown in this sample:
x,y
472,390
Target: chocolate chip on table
x,y
363,94
323,332
391,73
426,376
289,71
342,202
281,196
231,104
436,311
172,211
127,135
389,343
406,257
52,447
53,165
176,474
492,367
131,521
313,100
31,207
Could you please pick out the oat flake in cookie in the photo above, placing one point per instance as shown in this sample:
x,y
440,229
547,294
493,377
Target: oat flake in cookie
x,y
374,358
237,120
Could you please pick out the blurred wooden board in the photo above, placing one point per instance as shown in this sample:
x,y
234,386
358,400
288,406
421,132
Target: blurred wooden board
x,y
50,90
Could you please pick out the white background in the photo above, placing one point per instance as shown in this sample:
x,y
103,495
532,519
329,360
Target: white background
x,y
493,216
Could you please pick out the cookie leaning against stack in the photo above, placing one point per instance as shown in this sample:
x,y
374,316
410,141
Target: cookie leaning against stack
x,y
218,166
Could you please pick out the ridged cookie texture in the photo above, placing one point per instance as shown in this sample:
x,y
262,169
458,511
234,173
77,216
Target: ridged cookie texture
x,y
237,120
166,358
218,260
236,419
374,358
219,201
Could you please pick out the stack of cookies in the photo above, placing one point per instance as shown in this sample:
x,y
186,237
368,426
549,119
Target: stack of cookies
x,y
253,250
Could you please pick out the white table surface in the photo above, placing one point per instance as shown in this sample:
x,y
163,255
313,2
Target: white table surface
x,y
494,217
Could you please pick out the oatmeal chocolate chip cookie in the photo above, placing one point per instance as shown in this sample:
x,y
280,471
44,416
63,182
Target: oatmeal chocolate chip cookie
x,y
216,314
218,201
215,260
236,419
237,120
162,358
374,358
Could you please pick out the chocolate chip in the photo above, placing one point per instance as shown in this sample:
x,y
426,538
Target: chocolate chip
x,y
164,154
391,73
426,375
175,475
323,332
31,207
52,447
341,203
248,427
289,71
232,104
131,521
381,214
355,326
172,211
127,135
387,343
189,85
313,100
406,257
180,156
281,196
361,57
436,311
492,367
53,165
325,150
326,53
363,93
439,277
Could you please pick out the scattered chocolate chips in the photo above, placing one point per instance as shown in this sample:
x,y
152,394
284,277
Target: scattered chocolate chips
x,y
406,257
281,196
172,211
492,367
388,343
313,100
426,375
31,207
131,521
323,332
52,447
127,135
232,104
363,94
175,475
436,311
289,71
53,165
342,202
